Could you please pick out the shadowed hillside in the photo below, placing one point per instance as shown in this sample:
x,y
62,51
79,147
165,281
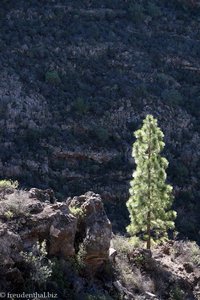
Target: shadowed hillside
x,y
77,78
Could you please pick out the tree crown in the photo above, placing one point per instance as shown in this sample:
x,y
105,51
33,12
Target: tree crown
x,y
150,196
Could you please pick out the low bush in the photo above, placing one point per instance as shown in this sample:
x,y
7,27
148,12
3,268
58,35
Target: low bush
x,y
132,277
81,106
40,267
52,77
60,268
125,245
80,258
153,10
195,253
188,250
77,211
8,214
14,205
187,4
4,184
172,97
77,262
101,133
136,12
176,293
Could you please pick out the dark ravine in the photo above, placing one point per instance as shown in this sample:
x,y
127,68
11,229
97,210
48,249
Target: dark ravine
x,y
78,77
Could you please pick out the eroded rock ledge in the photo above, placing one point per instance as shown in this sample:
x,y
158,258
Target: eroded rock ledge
x,y
28,217
94,228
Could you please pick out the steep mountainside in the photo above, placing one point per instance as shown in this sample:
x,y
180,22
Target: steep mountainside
x,y
77,78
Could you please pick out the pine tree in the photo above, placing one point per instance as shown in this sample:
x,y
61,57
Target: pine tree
x,y
151,198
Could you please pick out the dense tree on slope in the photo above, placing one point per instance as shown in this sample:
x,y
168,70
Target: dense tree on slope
x,y
151,198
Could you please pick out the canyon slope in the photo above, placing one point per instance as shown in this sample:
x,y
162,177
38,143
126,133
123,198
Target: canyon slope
x,y
78,77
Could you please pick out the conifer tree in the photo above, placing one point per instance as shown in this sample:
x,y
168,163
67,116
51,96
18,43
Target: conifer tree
x,y
151,197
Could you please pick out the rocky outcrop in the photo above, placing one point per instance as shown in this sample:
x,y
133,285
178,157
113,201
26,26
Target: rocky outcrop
x,y
94,228
30,217
43,195
54,224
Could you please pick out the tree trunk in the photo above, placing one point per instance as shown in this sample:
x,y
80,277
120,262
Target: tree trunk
x,y
149,196
149,230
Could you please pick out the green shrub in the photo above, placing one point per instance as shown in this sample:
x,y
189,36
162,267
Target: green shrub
x,y
195,253
189,252
31,137
52,77
136,12
153,10
162,78
40,267
80,258
58,275
132,279
139,260
141,90
77,211
8,214
4,184
186,4
172,97
7,185
14,205
78,262
125,245
81,106
176,293
101,134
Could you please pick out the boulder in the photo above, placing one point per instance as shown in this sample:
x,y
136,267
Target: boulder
x,y
94,229
10,246
43,195
40,221
54,224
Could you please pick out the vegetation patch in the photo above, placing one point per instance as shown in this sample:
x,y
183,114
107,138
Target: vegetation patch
x,y
52,77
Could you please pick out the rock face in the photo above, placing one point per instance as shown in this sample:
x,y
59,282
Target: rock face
x,y
55,224
43,195
94,228
33,220
39,220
